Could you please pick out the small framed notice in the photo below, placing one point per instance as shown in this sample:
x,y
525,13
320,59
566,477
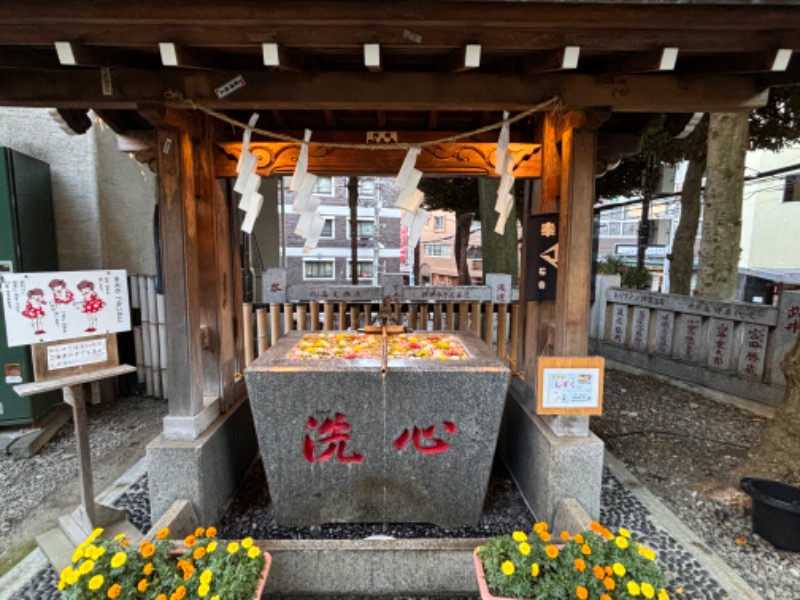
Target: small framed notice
x,y
570,385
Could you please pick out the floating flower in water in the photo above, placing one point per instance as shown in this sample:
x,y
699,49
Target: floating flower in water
x,y
350,346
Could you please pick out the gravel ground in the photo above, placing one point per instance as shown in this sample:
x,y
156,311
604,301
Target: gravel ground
x,y
685,448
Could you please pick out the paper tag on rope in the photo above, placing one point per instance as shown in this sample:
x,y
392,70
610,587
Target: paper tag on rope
x,y
500,227
248,131
410,188
407,218
249,191
408,164
303,196
252,213
302,163
412,203
506,183
248,162
502,146
420,218
317,223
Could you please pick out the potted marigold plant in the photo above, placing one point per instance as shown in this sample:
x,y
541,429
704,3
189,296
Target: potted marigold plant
x,y
199,566
593,565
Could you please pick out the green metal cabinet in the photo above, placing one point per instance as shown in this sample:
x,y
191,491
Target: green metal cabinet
x,y
27,244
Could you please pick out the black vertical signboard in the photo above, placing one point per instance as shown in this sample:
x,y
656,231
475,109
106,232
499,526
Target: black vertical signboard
x,y
541,257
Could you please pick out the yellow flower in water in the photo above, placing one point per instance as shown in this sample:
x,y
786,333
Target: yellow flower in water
x,y
535,570
625,533
508,568
662,594
114,591
86,567
162,533
633,588
619,569
524,548
203,590
551,551
211,547
96,582
233,548
142,585
247,542
648,591
206,576
253,552
621,542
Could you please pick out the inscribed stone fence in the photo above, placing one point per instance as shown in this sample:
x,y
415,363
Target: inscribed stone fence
x,y
732,347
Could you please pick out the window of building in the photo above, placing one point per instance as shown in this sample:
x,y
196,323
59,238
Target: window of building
x,y
366,187
630,228
438,250
324,186
614,228
319,269
438,223
328,230
364,269
791,190
477,265
365,229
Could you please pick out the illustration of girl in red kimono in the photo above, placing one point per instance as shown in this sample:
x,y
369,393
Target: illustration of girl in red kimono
x,y
91,303
61,295
34,309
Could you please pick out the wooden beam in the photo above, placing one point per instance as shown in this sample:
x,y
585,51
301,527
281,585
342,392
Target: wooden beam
x,y
330,119
175,55
385,91
433,119
555,60
280,158
281,57
27,58
551,164
727,64
663,59
372,57
465,59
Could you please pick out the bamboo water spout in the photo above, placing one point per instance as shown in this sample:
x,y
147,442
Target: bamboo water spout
x,y
382,325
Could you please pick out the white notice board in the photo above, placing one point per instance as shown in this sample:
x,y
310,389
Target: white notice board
x,y
570,385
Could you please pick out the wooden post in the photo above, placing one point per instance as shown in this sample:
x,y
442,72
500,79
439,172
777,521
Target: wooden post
x,y
476,318
354,316
314,315
502,330
301,317
288,318
328,308
78,404
274,323
488,324
412,316
262,331
514,342
450,320
342,316
463,316
247,317
437,317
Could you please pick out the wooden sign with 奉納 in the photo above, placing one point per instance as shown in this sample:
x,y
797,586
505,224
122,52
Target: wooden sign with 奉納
x,y
570,385
55,360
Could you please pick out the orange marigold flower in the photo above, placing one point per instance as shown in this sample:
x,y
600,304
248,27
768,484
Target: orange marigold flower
x,y
595,526
179,593
148,568
609,571
564,536
211,532
114,591
190,541
161,597
599,572
551,551
162,533
187,572
608,535
199,531
578,538
544,536
142,585
147,549
199,552
581,592
605,597
586,549
540,527
609,584
580,564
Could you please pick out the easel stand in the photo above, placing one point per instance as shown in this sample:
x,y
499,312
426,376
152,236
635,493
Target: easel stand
x,y
78,524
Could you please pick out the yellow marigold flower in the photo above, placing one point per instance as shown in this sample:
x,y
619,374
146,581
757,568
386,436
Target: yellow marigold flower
x,y
609,584
619,569
586,549
625,533
162,533
581,592
508,568
142,585
61,585
540,527
118,560
73,577
544,536
77,555
203,590
211,532
648,554
114,591
580,564
95,534
211,547
86,567
199,531
551,551
96,582
662,594
119,537
648,591
578,538
147,549
535,570
88,552
233,548
215,598
199,552
598,572
190,541
206,576
621,542
565,536
253,552
247,542
98,552
633,588
148,568
65,572
519,536
525,548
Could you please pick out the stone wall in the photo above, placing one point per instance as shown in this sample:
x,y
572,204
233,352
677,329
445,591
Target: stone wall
x,y
732,347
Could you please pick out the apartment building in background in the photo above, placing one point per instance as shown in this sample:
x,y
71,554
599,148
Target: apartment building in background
x,y
437,251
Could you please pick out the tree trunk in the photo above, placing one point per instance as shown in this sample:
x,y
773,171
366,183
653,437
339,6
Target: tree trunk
x,y
722,212
463,225
352,202
500,252
681,259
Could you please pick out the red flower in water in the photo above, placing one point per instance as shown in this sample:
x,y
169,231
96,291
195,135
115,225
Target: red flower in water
x,y
414,346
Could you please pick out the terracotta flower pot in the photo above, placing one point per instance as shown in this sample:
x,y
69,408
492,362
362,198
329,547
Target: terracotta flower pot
x,y
262,581
482,587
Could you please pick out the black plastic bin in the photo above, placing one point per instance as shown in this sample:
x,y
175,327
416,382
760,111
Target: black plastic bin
x,y
776,512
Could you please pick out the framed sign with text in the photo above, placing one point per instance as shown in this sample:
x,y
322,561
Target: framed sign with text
x,y
570,385
541,256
